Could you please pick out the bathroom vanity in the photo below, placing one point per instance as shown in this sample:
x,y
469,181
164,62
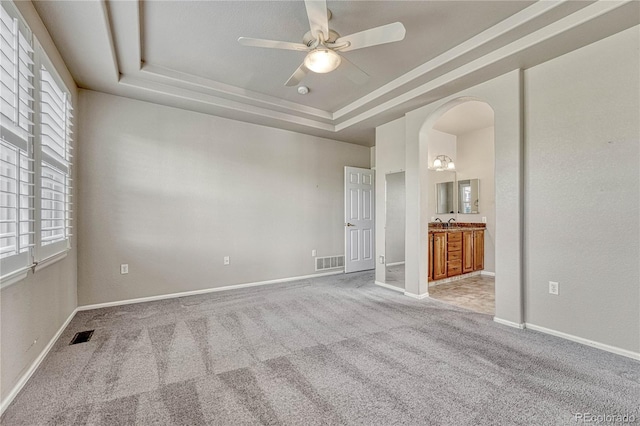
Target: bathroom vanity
x,y
455,250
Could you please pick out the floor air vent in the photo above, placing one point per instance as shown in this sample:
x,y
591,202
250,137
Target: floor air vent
x,y
329,262
81,337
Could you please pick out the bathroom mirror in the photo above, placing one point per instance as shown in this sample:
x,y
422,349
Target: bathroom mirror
x,y
468,196
445,198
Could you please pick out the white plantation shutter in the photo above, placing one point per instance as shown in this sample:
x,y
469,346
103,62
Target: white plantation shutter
x,y
35,152
55,167
16,144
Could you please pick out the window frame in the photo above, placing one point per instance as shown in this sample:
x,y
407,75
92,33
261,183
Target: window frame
x,y
14,268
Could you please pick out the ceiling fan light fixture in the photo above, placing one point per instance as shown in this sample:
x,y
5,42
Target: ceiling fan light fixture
x,y
322,60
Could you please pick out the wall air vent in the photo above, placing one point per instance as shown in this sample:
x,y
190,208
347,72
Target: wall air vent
x,y
329,262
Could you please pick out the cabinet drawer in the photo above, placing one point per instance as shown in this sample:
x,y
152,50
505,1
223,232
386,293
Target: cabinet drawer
x,y
454,246
454,255
454,268
454,237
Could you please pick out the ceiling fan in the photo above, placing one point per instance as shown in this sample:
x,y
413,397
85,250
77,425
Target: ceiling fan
x,y
323,43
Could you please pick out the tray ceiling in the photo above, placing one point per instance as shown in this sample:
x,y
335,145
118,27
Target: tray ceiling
x,y
185,54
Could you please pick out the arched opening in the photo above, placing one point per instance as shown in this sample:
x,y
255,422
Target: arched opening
x,y
504,96
460,196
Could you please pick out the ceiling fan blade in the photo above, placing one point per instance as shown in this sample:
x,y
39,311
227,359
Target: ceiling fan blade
x,y
353,72
272,44
318,18
297,76
372,37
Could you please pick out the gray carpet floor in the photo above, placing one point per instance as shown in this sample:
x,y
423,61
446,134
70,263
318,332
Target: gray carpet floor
x,y
331,350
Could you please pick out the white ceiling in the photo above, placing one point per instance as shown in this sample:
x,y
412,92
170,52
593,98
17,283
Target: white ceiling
x,y
465,118
200,38
185,53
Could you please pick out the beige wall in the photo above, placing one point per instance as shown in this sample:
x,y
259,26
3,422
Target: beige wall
x,y
582,186
475,161
575,175
36,307
395,217
389,154
171,192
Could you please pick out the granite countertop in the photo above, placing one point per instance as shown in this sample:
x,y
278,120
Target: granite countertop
x,y
456,227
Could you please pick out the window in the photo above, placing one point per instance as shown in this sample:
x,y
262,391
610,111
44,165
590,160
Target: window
x,y
16,144
35,151
55,173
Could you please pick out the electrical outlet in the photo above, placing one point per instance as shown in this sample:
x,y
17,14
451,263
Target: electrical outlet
x,y
553,287
124,268
433,219
381,260
484,219
313,253
226,260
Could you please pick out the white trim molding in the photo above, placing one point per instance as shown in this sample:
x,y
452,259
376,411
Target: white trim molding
x,y
51,260
521,326
14,277
389,286
34,365
582,340
487,274
417,296
535,25
395,263
203,291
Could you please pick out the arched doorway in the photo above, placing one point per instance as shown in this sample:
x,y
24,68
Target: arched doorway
x,y
461,206
504,95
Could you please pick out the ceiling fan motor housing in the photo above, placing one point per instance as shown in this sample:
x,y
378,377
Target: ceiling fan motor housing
x,y
309,39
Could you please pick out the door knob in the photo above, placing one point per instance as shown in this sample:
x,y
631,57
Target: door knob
x,y
350,224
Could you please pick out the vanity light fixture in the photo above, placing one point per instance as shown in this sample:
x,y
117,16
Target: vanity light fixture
x,y
443,162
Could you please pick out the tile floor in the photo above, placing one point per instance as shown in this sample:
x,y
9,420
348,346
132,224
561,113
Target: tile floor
x,y
476,293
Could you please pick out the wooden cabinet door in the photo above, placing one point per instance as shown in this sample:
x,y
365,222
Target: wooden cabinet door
x,y
478,250
430,257
467,252
439,255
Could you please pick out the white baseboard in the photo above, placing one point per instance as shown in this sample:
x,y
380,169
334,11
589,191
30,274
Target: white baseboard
x,y
390,287
488,274
603,346
521,326
395,263
417,296
34,365
203,291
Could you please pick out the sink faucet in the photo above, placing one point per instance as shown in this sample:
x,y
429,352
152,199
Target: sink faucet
x,y
438,220
449,221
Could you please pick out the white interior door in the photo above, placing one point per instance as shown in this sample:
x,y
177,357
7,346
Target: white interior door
x,y
358,219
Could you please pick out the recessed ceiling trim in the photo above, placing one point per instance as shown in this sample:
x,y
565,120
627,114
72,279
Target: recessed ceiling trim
x,y
230,92
185,94
214,97
112,49
554,29
519,19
